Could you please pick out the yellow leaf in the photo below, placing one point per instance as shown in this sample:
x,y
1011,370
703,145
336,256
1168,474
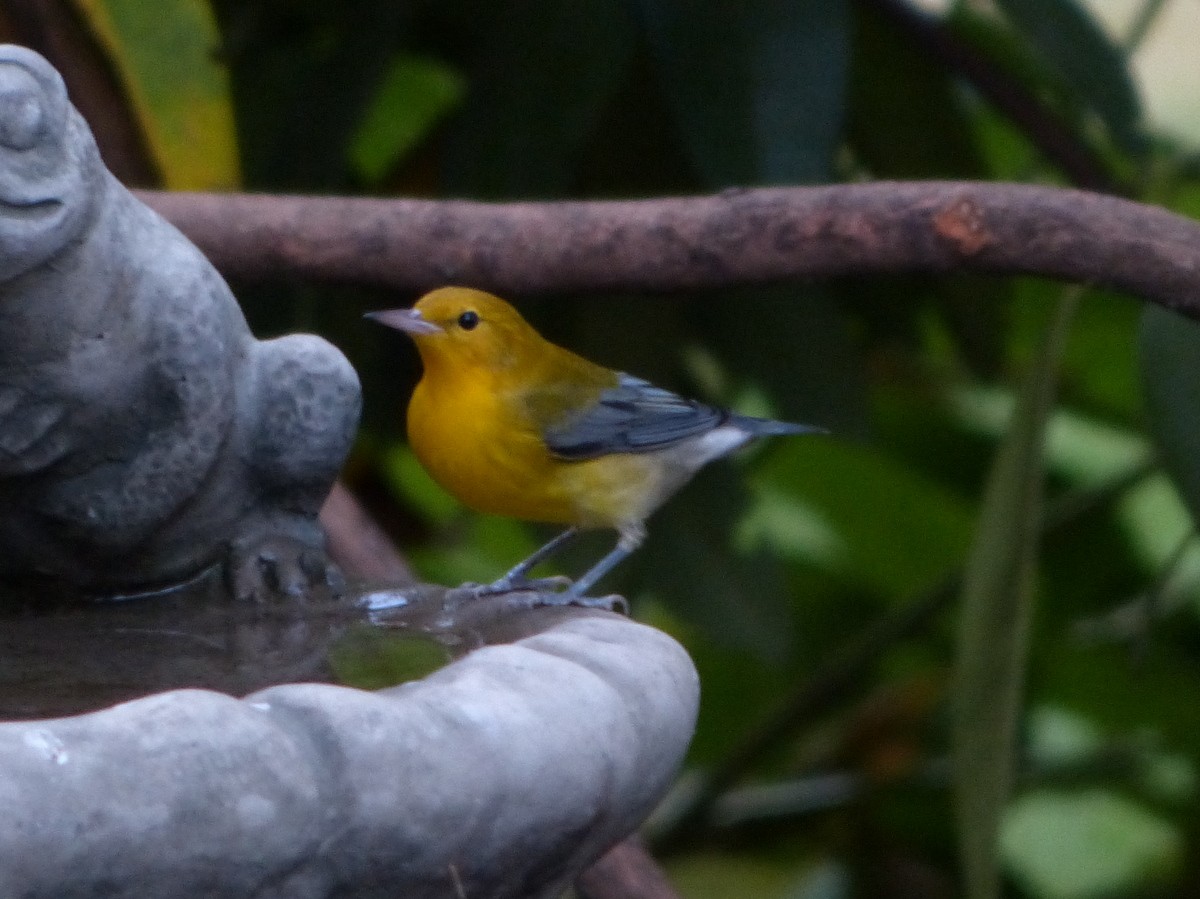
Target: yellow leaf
x,y
165,55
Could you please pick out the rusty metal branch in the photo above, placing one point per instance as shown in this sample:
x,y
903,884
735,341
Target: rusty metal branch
x,y
736,237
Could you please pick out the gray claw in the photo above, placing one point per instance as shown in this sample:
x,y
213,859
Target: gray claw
x,y
553,584
539,599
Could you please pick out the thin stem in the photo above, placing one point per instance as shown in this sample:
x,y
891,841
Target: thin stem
x,y
846,670
1141,25
1043,127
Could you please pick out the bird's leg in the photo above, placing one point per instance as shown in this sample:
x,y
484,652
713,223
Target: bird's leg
x,y
631,538
515,578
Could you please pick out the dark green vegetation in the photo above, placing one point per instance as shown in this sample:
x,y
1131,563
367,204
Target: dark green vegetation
x,y
987,582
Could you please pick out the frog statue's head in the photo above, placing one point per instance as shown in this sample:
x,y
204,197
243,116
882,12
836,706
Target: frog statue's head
x,y
50,168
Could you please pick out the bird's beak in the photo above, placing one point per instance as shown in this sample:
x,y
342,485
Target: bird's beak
x,y
404,320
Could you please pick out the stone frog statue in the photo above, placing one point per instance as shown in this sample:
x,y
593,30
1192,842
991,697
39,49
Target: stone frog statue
x,y
145,435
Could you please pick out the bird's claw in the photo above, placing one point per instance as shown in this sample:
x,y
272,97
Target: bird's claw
x,y
611,603
527,599
557,583
529,593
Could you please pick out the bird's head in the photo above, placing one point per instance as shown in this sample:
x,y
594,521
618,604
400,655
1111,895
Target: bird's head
x,y
463,327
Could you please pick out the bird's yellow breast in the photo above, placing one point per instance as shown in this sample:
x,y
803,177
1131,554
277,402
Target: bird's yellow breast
x,y
482,447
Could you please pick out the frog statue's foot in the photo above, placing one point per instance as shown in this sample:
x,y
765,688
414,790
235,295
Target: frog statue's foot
x,y
281,557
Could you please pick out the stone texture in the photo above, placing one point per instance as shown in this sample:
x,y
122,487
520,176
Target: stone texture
x,y
501,775
144,433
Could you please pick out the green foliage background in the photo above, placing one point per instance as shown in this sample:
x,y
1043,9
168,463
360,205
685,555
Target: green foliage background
x,y
847,695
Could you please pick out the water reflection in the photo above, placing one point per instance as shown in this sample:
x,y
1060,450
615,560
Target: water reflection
x,y
63,655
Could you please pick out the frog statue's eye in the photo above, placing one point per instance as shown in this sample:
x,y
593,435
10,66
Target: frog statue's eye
x,y
21,109
468,320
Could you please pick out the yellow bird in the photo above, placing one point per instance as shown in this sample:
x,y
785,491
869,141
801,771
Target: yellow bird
x,y
514,425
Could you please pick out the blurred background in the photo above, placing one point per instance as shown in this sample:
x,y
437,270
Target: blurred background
x,y
816,582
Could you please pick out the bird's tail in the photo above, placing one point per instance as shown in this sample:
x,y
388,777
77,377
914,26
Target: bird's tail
x,y
767,427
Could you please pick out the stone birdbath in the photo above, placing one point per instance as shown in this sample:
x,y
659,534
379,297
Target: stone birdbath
x,y
161,473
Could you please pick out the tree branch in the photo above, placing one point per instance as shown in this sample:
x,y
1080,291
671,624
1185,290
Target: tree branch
x,y
1040,124
360,547
736,237
627,871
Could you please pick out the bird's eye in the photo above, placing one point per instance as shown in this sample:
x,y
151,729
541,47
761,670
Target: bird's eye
x,y
468,320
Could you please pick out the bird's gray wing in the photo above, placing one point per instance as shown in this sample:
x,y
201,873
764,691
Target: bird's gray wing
x,y
632,417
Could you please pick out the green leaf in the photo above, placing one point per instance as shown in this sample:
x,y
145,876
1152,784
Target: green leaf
x,y
1097,682
538,89
894,136
798,344
1090,844
998,589
827,879
757,87
1087,453
1101,364
480,550
975,310
848,510
725,875
469,546
303,76
1170,359
734,598
1060,736
415,95
165,55
409,479
1090,65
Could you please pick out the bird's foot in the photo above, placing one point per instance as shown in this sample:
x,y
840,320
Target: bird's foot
x,y
537,599
613,602
508,584
558,590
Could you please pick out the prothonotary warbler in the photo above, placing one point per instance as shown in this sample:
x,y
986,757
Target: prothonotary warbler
x,y
513,425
